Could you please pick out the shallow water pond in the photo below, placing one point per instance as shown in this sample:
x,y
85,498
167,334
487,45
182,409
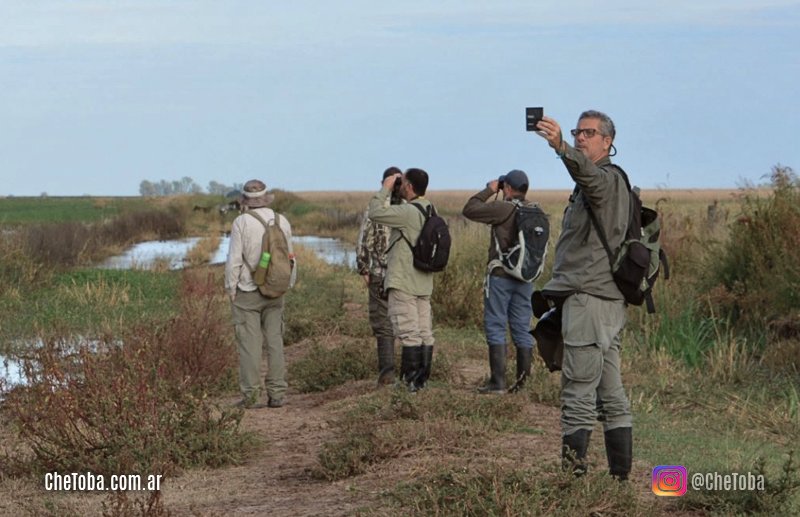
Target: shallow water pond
x,y
146,255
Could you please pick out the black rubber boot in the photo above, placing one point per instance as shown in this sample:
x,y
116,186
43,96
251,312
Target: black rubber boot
x,y
497,364
524,356
410,366
385,360
619,452
573,451
425,367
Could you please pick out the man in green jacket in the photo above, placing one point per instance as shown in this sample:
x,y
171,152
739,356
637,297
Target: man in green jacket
x,y
409,288
593,308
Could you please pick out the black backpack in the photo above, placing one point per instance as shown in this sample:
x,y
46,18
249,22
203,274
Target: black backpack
x,y
637,262
432,249
524,259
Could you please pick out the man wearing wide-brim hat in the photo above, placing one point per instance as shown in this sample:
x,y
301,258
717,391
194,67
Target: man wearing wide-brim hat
x,y
256,317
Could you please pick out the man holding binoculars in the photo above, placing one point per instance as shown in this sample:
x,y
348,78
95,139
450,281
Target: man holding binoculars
x,y
507,300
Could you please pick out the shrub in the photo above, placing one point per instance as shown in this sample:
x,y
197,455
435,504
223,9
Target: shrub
x,y
66,244
136,406
756,275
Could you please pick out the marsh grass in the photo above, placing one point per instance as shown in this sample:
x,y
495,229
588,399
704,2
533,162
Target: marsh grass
x,y
201,253
391,422
89,302
493,490
316,303
755,276
458,290
59,245
325,367
136,405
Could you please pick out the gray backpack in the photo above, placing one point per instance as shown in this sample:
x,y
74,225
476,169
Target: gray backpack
x,y
524,259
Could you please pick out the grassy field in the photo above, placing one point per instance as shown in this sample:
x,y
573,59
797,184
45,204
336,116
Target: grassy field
x,y
713,383
27,210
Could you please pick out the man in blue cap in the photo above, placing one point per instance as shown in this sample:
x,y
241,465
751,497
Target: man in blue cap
x,y
507,300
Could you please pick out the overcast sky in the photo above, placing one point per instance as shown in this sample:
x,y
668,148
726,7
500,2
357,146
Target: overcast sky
x,y
315,95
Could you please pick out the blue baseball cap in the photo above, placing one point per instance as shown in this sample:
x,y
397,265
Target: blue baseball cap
x,y
515,179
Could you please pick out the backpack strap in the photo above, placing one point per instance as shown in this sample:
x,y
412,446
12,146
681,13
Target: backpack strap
x,y
648,300
516,203
260,219
600,232
426,213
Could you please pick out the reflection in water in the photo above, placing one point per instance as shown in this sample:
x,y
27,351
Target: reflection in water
x,y
11,369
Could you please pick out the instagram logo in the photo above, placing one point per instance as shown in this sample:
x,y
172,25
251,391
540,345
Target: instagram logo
x,y
669,480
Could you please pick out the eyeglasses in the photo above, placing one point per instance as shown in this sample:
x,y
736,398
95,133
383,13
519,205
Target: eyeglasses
x,y
588,132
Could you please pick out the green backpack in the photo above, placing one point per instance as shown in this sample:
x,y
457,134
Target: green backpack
x,y
637,263
273,274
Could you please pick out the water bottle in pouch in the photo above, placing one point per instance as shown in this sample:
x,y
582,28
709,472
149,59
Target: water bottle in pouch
x,y
260,275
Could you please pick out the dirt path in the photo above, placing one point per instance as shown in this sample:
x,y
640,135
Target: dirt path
x,y
278,481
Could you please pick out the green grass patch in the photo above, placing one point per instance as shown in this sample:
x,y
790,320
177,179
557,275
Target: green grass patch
x,y
28,210
89,302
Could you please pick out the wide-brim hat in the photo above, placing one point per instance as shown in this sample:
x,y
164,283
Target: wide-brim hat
x,y
255,195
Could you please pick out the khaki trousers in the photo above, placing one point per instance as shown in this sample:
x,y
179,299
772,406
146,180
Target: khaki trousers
x,y
411,318
257,319
591,383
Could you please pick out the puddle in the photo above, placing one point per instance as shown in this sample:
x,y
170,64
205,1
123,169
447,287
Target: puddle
x,y
146,254
11,372
333,251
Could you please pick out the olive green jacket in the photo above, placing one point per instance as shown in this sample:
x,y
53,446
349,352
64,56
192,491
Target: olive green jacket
x,y
581,262
407,220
